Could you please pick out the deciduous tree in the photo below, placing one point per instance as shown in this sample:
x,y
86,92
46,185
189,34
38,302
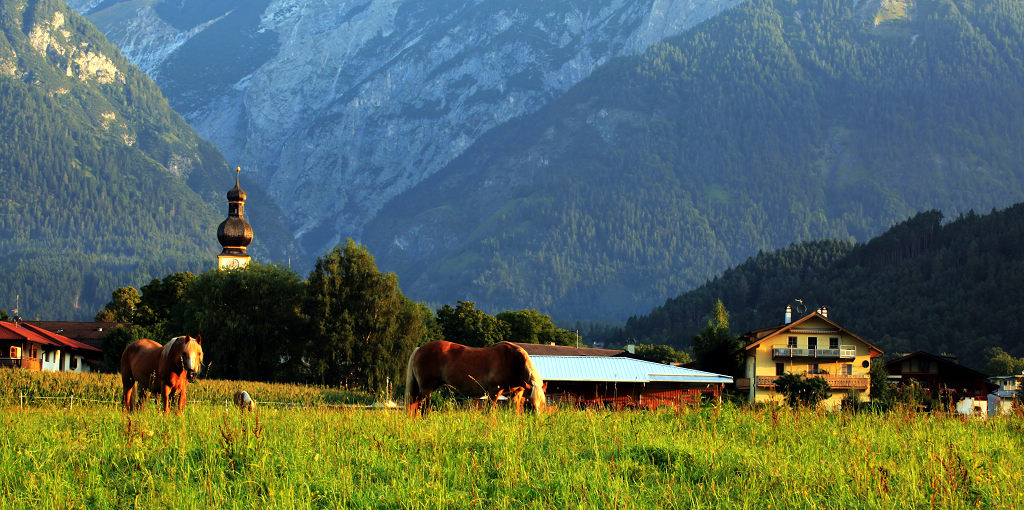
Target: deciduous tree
x,y
363,328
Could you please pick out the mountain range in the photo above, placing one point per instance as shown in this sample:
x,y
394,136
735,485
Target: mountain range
x,y
776,121
528,156
336,107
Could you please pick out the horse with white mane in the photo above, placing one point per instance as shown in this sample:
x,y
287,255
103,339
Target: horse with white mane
x,y
166,368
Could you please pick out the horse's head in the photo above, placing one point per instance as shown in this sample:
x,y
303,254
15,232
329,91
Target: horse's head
x,y
536,385
192,356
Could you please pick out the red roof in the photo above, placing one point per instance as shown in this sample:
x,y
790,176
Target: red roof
x,y
60,339
11,331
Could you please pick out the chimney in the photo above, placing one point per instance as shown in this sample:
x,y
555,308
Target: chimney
x,y
789,314
823,311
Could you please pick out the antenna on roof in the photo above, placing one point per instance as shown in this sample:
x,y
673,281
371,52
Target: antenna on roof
x,y
801,308
14,312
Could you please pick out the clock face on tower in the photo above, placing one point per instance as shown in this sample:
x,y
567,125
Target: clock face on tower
x,y
232,262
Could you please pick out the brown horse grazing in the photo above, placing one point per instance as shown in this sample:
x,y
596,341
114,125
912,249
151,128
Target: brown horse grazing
x,y
502,368
166,368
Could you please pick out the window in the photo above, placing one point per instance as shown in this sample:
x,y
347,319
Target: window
x,y
812,342
74,362
924,365
792,342
847,369
780,369
833,343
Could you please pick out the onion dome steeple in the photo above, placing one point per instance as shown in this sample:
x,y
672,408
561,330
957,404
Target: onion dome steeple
x,y
234,233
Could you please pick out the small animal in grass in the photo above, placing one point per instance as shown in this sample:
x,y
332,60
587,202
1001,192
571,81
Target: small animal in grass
x,y
243,401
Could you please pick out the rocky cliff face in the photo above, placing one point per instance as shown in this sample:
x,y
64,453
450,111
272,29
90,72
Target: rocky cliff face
x,y
336,107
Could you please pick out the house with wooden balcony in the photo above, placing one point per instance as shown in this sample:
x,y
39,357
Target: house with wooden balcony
x,y
812,346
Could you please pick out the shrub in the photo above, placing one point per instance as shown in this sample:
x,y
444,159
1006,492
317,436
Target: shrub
x,y
801,391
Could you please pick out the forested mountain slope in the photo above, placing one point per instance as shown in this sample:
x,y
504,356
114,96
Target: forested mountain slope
x,y
774,122
103,185
951,288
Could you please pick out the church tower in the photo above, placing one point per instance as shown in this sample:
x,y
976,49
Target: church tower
x,y
234,233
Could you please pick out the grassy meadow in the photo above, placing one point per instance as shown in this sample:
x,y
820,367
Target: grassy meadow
x,y
95,456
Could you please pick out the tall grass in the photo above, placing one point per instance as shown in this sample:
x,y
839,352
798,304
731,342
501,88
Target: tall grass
x,y
34,388
718,457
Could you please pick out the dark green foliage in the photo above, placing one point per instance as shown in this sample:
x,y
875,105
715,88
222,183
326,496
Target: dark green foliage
x,y
363,329
159,298
775,122
465,324
883,394
660,354
803,391
102,183
249,319
715,348
1001,363
122,306
924,285
533,327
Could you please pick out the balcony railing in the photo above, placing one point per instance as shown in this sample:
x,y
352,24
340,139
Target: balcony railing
x,y
843,352
836,382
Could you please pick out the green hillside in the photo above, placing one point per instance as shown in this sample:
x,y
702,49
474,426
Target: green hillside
x,y
923,285
101,183
777,121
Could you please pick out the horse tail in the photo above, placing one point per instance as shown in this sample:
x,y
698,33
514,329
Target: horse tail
x,y
412,387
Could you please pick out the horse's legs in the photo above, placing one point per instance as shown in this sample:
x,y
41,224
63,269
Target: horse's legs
x,y
518,399
181,400
494,400
167,398
424,404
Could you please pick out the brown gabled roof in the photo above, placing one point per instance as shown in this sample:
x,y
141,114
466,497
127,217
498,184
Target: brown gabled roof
x,y
61,339
563,350
940,359
762,335
90,333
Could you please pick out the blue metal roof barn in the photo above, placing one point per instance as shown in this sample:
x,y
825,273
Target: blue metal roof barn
x,y
615,369
620,382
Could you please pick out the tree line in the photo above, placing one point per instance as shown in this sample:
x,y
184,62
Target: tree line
x,y
346,324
